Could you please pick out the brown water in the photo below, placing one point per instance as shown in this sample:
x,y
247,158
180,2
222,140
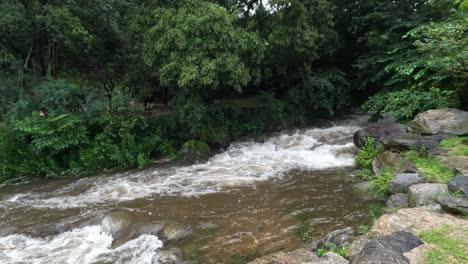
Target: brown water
x,y
248,201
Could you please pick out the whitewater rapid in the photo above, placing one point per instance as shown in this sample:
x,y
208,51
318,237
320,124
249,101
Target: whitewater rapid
x,y
241,164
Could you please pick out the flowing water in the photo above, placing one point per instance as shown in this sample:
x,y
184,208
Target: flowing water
x,y
251,199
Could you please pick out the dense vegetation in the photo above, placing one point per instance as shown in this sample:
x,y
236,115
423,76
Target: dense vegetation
x,y
84,85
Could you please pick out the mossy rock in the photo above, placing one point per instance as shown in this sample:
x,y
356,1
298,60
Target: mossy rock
x,y
216,135
195,150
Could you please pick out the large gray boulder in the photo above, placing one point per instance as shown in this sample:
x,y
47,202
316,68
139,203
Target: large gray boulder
x,y
401,182
459,184
388,249
448,120
453,204
378,131
425,194
399,200
405,142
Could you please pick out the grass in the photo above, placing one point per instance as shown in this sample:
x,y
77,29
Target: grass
x,y
379,183
304,229
458,146
430,167
451,245
340,251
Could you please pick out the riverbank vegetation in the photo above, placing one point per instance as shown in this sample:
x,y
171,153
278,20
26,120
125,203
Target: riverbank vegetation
x,y
93,86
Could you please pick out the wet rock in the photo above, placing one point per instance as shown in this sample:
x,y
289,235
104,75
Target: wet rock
x,y
386,159
425,194
459,184
448,120
378,132
357,245
338,238
388,249
174,231
405,142
195,150
399,200
453,204
300,256
120,225
170,256
401,182
413,220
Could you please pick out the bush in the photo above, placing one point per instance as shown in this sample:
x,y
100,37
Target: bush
x,y
405,104
365,157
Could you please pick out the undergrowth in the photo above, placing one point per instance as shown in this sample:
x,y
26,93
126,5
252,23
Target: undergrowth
x,y
430,166
458,146
451,245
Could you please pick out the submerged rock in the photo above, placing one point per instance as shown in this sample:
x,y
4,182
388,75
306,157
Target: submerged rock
x,y
338,238
401,182
399,200
378,132
174,231
448,120
388,249
425,194
459,184
170,256
453,204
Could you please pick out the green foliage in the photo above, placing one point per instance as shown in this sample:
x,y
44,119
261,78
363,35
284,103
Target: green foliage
x,y
458,146
303,231
335,249
404,105
379,183
430,167
450,242
365,157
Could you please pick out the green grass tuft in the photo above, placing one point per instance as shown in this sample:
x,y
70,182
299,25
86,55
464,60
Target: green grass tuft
x,y
430,167
379,183
451,245
458,146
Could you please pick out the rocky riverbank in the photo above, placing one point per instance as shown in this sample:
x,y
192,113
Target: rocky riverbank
x,y
422,171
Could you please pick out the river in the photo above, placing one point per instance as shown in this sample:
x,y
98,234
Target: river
x,y
248,200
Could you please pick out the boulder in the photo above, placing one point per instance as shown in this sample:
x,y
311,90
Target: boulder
x,y
174,231
300,256
417,255
378,131
401,182
453,204
405,142
413,220
448,120
457,163
459,184
195,150
169,256
358,244
385,159
399,200
425,194
338,238
119,224
388,249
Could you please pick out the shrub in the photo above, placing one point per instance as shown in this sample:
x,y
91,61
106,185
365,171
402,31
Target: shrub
x,y
379,183
364,159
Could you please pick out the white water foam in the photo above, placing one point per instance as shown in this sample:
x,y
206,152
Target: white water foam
x,y
241,164
89,245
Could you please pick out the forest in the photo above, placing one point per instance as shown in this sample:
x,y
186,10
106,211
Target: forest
x,y
88,87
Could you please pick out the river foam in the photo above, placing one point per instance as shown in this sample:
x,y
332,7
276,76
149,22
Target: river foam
x,y
241,164
88,245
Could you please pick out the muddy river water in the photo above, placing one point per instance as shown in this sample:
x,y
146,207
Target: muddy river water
x,y
249,200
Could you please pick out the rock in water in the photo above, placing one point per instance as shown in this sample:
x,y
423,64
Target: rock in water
x,y
378,132
425,194
399,200
453,204
338,238
459,184
452,121
119,224
170,256
401,182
